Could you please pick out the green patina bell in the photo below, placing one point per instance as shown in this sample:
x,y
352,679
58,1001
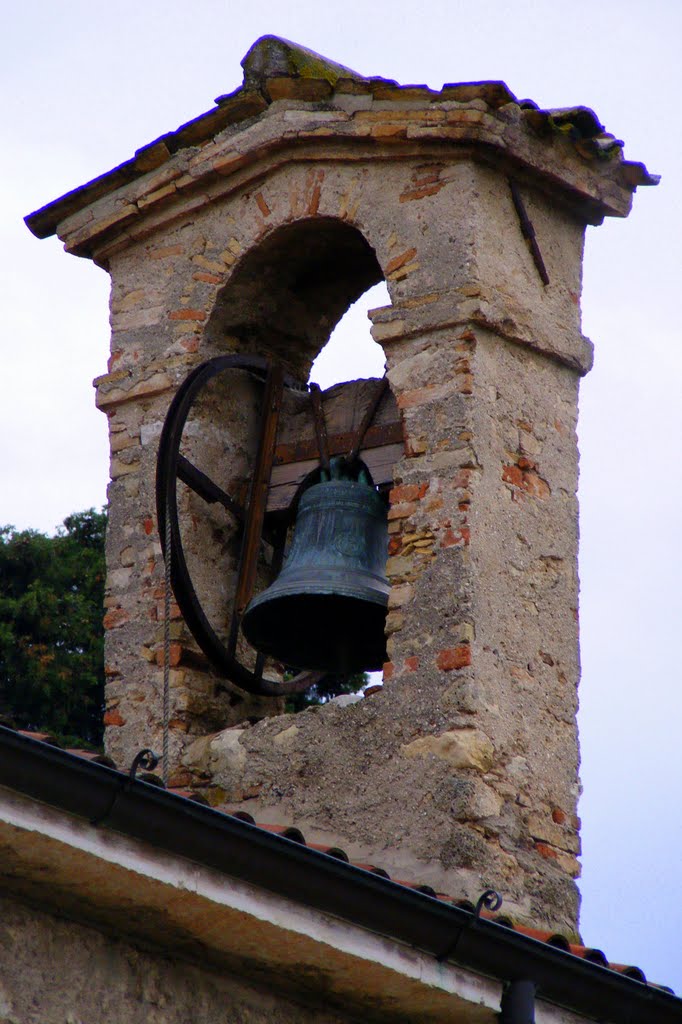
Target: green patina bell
x,y
327,608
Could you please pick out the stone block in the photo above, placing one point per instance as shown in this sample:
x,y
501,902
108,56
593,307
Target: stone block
x,y
462,748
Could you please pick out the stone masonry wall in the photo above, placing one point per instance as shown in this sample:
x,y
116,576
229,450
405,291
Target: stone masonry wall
x,y
462,771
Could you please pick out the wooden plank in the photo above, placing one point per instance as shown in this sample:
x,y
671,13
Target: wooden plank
x,y
286,478
339,444
344,406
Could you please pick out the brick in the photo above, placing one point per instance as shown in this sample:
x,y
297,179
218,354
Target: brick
x,y
314,202
462,478
512,475
180,778
129,301
187,314
427,175
422,396
434,504
388,131
399,275
115,617
190,344
402,511
526,480
546,851
114,718
385,331
154,197
412,663
262,205
407,492
421,193
536,486
389,669
211,266
454,658
228,163
175,655
148,525
201,275
119,217
456,538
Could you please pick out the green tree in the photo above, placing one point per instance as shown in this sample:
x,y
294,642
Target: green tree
x,y
51,635
329,686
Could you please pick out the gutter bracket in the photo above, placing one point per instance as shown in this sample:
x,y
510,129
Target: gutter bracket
x,y
146,759
491,900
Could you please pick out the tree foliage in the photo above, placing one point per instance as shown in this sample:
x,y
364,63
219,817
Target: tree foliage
x,y
329,686
51,635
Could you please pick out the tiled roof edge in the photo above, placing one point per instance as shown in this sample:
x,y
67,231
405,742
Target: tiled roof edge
x,y
80,794
277,69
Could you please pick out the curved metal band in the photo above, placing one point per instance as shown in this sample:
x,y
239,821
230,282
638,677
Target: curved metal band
x,y
167,471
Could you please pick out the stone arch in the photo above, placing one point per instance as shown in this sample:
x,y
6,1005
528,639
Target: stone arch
x,y
288,292
283,298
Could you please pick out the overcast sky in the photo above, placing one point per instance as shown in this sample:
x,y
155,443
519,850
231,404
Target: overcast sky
x,y
85,84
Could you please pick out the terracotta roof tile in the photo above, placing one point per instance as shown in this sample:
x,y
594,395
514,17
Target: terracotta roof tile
x,y
275,69
293,834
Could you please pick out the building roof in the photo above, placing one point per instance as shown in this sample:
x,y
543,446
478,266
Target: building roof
x,y
278,859
367,111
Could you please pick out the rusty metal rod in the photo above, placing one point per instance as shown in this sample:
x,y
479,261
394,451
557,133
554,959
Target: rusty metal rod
x,y
528,231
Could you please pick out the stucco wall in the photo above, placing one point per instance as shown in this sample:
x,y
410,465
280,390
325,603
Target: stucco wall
x,y
54,971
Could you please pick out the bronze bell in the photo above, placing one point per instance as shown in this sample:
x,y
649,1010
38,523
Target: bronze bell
x,y
327,608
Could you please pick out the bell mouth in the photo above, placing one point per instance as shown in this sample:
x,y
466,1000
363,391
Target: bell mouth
x,y
333,632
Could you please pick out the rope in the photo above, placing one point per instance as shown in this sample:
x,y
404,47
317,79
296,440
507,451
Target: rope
x,y
166,645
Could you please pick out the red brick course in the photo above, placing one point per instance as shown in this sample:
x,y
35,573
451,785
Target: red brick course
x,y
454,658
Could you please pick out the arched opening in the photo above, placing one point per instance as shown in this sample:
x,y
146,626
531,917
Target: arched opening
x,y
351,349
284,299
287,294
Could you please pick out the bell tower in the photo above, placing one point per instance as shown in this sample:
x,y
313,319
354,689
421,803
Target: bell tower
x,y
247,233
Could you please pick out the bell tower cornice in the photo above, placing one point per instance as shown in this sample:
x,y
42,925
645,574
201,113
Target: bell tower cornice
x,y
295,106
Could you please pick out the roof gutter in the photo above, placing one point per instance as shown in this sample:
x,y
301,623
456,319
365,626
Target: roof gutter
x,y
240,850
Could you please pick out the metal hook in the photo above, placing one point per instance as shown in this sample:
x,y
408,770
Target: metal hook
x,y
146,759
491,900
